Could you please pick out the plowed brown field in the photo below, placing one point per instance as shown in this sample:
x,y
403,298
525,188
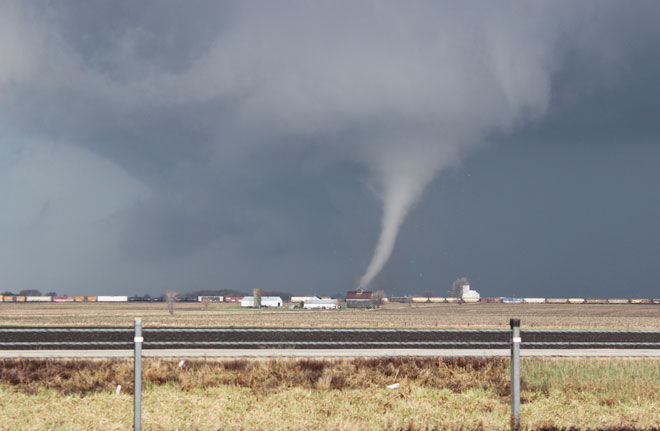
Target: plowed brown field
x,y
463,316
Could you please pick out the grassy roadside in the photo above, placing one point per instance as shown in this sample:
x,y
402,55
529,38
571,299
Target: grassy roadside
x,y
330,394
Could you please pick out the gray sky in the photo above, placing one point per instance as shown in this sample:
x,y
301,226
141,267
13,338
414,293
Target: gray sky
x,y
148,146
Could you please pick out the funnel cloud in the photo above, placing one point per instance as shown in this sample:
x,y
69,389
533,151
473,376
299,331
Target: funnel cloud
x,y
149,146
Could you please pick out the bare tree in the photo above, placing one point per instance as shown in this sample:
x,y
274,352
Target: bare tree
x,y
170,299
456,290
205,302
378,298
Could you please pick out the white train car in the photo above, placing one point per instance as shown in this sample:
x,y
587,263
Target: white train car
x,y
38,299
576,300
112,298
556,300
617,301
437,299
534,300
596,301
420,299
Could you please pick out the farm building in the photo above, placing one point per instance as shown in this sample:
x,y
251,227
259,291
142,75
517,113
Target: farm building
x,y
297,299
214,298
266,301
233,298
359,299
323,304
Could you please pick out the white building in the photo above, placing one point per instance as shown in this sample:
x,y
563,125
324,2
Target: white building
x,y
469,294
297,299
323,304
211,298
266,301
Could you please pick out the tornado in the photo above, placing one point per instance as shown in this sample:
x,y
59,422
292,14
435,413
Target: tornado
x,y
403,176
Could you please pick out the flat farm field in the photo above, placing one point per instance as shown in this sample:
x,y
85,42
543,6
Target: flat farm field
x,y
463,316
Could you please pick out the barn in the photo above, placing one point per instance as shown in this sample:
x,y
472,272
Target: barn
x,y
321,304
266,301
359,299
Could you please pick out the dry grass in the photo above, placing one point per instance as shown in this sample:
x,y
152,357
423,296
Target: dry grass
x,y
86,376
434,394
494,316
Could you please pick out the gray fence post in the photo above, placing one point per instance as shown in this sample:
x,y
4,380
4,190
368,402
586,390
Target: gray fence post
x,y
515,374
137,393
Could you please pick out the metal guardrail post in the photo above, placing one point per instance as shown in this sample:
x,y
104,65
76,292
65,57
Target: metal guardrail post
x,y
515,374
137,393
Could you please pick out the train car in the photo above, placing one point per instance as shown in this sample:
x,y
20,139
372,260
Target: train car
x,y
437,299
640,301
186,299
656,300
420,299
400,299
454,300
618,301
79,299
595,301
534,300
38,298
115,298
509,300
63,299
91,299
556,300
470,300
491,300
8,299
20,299
576,300
138,299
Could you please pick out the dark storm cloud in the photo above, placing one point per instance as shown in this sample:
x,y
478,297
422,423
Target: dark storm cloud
x,y
236,144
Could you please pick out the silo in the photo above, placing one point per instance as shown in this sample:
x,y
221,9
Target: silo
x,y
256,293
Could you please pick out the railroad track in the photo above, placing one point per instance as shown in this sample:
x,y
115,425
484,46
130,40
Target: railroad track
x,y
60,338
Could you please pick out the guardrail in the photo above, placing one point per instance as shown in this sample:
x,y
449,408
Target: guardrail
x,y
138,338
